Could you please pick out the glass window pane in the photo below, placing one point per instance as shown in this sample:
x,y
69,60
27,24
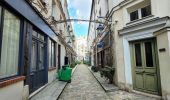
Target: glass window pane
x,y
50,53
34,33
134,15
146,11
148,54
10,45
138,55
34,56
41,63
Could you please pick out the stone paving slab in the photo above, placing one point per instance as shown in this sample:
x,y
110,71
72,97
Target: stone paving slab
x,y
104,82
51,92
123,95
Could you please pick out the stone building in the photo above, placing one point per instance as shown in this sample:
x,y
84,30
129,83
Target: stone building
x,y
33,46
140,43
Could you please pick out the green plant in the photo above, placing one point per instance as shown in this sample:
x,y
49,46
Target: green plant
x,y
107,72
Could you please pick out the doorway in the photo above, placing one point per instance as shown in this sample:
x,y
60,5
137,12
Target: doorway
x,y
37,69
145,66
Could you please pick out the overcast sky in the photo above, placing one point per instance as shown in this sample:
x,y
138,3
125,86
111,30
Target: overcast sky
x,y
79,9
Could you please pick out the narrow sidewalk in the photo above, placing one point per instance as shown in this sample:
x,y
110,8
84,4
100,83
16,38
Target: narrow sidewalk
x,y
115,93
52,91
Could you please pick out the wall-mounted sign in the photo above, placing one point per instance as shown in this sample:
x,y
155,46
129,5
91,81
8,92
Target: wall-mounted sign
x,y
100,45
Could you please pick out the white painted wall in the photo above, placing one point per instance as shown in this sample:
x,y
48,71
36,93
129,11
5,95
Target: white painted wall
x,y
63,54
12,92
52,75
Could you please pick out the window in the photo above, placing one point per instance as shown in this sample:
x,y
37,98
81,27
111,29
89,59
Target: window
x,y
134,15
138,55
140,13
146,11
52,54
149,54
54,9
9,45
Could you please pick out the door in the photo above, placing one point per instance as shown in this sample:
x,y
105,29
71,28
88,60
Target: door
x,y
37,70
145,66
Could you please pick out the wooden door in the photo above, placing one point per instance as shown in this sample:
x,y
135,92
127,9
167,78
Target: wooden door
x,y
145,66
37,70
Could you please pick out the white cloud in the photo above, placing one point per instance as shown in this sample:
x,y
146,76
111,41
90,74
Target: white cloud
x,y
83,8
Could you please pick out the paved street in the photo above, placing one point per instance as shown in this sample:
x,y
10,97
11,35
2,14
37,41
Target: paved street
x,y
83,87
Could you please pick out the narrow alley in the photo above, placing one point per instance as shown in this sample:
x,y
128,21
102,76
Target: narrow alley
x,y
84,49
83,87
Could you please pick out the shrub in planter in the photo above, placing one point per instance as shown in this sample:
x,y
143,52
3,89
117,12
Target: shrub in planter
x,y
94,69
72,65
108,73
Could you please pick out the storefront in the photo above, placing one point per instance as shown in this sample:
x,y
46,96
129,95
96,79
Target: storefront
x,y
27,49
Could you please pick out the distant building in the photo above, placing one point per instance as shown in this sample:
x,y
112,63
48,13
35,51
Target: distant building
x,y
81,48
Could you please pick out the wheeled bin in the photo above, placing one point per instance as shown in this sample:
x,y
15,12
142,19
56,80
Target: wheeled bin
x,y
65,73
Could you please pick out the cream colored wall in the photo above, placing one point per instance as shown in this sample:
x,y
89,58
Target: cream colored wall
x,y
12,92
160,8
52,75
163,41
118,48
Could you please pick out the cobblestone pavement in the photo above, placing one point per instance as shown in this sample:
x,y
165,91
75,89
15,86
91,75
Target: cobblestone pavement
x,y
83,87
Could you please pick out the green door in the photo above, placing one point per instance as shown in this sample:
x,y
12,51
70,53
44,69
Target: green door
x,y
145,66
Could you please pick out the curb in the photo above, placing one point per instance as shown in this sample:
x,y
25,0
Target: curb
x,y
67,82
99,82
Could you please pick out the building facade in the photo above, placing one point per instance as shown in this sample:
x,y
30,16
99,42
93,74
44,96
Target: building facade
x,y
33,46
81,48
140,46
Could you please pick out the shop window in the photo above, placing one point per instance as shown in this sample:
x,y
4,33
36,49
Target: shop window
x,y
146,11
52,54
9,45
134,15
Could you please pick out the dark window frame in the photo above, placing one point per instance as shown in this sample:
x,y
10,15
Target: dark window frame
x,y
132,18
146,8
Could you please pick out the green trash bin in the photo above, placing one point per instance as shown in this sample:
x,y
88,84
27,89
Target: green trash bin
x,y
65,73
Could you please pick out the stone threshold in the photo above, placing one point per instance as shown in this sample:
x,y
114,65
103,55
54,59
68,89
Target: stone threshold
x,y
37,91
103,82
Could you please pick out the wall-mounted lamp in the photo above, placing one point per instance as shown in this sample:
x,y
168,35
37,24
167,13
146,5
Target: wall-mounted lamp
x,y
100,27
